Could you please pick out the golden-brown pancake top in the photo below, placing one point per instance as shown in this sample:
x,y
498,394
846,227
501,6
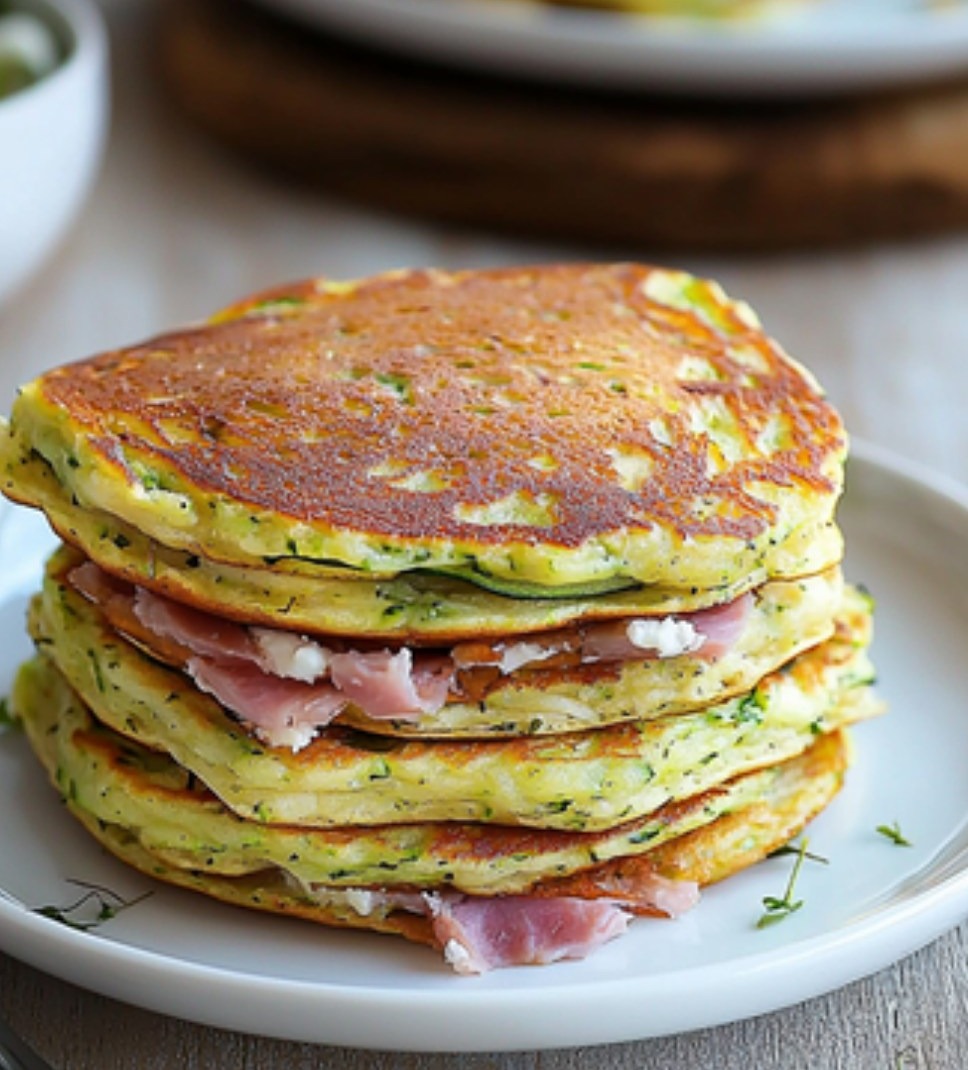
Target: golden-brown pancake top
x,y
562,408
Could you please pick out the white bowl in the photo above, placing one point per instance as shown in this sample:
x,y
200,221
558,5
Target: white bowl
x,y
51,137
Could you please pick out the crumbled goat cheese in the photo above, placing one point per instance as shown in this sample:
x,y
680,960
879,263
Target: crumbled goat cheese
x,y
364,902
291,656
456,955
518,654
668,637
295,737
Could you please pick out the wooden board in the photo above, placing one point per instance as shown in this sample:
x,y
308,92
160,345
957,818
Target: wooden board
x,y
577,165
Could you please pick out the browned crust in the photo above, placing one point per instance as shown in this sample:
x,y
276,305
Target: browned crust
x,y
266,891
705,855
709,854
731,843
470,377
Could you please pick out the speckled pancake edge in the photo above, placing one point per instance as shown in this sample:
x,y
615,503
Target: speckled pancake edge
x,y
580,780
710,854
417,607
804,787
785,619
119,782
549,425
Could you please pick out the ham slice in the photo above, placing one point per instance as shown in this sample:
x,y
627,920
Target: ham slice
x,y
283,713
479,934
101,588
288,712
722,625
634,885
389,685
287,686
672,897
710,633
203,633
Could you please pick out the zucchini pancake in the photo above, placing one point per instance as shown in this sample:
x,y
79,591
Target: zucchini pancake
x,y
491,609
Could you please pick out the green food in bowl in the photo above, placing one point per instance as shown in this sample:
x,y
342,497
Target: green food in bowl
x,y
29,49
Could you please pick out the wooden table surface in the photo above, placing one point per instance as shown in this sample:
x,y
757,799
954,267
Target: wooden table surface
x,y
175,229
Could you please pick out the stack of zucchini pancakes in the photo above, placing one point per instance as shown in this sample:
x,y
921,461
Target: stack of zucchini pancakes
x,y
490,609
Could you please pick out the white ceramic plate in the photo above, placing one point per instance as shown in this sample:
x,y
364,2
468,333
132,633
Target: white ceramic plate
x,y
183,955
829,46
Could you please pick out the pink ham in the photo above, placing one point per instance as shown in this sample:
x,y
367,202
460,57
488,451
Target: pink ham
x,y
645,892
285,685
717,630
433,678
283,713
672,897
248,669
721,625
203,633
387,685
100,587
479,934
287,712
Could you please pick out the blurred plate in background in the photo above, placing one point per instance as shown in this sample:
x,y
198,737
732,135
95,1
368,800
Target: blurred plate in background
x,y
829,46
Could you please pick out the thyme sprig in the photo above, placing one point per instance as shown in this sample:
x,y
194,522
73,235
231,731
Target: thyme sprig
x,y
105,903
894,834
778,909
795,849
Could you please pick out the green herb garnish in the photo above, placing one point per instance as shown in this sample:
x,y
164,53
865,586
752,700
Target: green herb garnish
x,y
778,909
894,834
795,849
104,904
